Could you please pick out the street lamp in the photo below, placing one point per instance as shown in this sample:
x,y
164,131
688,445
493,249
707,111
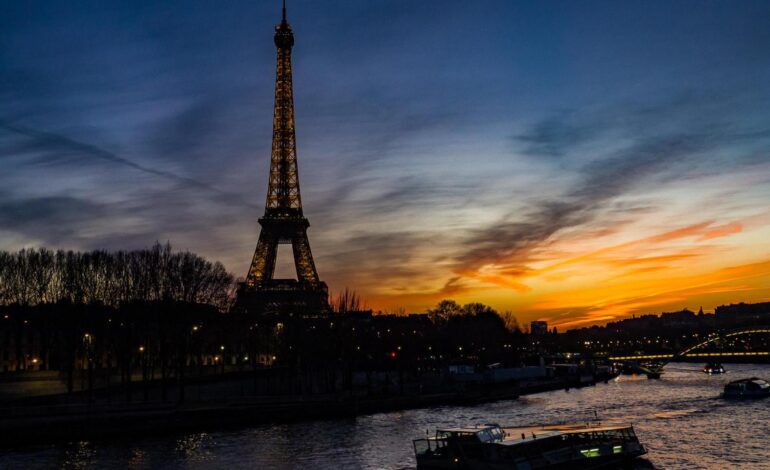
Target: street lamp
x,y
87,341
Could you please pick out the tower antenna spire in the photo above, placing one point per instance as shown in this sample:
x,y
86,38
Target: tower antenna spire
x,y
284,12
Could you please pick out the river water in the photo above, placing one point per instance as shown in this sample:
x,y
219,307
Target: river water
x,y
679,418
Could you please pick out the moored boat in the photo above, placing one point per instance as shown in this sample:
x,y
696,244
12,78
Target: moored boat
x,y
579,446
713,368
747,388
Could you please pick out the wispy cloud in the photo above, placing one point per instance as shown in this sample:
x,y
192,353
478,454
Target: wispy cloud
x,y
512,242
649,155
52,147
53,220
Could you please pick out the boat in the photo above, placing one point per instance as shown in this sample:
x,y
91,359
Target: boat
x,y
572,446
747,388
713,368
651,369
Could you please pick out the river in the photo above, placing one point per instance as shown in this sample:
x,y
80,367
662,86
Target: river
x,y
679,418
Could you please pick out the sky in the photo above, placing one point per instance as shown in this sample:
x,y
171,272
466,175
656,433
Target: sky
x,y
575,162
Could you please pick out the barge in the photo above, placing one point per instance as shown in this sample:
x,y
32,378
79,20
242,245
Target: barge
x,y
492,447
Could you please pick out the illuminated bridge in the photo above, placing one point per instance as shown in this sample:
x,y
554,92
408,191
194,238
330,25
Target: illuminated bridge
x,y
663,359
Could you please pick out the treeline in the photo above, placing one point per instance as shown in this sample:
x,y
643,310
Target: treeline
x,y
166,345
448,309
43,276
106,341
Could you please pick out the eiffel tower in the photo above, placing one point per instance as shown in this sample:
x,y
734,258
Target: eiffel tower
x,y
283,222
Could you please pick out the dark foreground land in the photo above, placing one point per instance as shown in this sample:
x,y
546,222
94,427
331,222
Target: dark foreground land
x,y
62,418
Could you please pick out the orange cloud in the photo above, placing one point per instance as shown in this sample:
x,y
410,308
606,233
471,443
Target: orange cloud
x,y
722,231
574,281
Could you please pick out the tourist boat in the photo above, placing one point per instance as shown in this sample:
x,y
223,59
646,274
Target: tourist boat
x,y
747,388
580,446
713,368
649,368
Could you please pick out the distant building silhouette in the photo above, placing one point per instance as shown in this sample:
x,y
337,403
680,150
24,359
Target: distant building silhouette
x,y
742,314
538,328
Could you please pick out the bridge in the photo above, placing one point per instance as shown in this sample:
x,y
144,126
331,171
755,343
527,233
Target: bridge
x,y
663,359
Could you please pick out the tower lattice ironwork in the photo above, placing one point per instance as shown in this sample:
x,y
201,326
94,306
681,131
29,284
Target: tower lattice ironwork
x,y
283,222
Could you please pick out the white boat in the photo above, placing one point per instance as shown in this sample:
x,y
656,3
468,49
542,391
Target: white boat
x,y
747,388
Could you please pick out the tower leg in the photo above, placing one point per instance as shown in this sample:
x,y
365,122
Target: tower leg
x,y
263,263
303,258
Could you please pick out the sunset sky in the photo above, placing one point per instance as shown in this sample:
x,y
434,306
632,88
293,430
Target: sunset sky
x,y
576,162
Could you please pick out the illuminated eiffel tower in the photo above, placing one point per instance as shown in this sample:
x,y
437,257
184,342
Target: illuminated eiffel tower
x,y
283,222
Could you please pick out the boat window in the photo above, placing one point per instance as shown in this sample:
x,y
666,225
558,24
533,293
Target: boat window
x,y
421,446
485,435
429,446
497,434
591,452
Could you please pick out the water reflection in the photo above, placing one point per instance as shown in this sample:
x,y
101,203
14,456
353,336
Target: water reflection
x,y
194,448
137,459
79,456
680,418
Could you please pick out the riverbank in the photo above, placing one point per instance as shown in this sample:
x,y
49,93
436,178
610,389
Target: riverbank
x,y
36,424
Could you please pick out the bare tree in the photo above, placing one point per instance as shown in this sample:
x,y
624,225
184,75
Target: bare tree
x,y
347,301
444,310
36,276
511,322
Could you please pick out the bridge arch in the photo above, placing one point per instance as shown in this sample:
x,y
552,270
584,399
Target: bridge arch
x,y
664,359
716,337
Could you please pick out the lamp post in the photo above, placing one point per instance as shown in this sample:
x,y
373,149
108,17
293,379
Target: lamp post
x,y
87,343
145,374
